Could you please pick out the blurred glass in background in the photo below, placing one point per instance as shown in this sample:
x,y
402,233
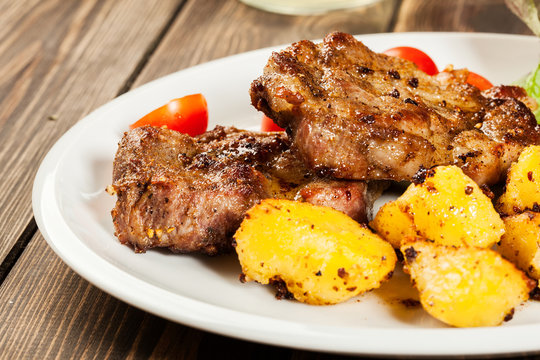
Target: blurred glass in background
x,y
306,7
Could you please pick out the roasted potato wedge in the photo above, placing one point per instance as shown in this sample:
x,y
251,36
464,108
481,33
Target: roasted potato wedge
x,y
393,225
320,254
522,184
521,242
446,206
465,286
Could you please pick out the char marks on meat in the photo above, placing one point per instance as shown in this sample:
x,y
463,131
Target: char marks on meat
x,y
356,114
191,194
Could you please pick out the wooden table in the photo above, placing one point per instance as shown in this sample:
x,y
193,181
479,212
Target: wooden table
x,y
59,60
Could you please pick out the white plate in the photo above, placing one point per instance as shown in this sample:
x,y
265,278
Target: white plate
x,y
73,213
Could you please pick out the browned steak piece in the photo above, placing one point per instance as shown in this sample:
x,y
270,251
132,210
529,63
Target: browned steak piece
x,y
190,194
356,114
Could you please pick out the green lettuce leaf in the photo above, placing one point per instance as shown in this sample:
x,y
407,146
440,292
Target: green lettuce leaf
x,y
528,12
531,83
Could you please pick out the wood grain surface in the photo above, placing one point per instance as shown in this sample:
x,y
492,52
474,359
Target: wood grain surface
x,y
459,15
59,60
253,29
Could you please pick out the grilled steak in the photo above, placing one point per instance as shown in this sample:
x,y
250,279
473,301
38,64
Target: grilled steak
x,y
356,114
190,194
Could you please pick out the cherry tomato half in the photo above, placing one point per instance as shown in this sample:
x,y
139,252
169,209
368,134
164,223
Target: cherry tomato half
x,y
420,58
188,115
479,81
268,124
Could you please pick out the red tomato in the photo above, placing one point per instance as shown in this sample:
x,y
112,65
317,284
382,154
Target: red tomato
x,y
188,114
420,58
478,81
268,124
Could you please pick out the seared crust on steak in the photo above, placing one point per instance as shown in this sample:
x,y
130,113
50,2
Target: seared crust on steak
x,y
190,194
356,114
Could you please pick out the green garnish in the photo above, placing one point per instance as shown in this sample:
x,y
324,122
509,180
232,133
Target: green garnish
x,y
531,83
528,11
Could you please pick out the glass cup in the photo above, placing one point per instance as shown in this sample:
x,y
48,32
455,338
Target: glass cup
x,y
306,7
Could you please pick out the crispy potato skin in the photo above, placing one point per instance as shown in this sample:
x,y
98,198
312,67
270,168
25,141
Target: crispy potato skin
x,y
522,184
461,286
445,206
521,242
322,255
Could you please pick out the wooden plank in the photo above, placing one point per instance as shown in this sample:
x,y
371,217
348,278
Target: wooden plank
x,y
63,316
59,60
465,15
216,36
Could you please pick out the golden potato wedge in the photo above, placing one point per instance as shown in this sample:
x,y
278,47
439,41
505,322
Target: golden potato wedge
x,y
465,286
521,242
449,208
522,184
392,224
320,254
